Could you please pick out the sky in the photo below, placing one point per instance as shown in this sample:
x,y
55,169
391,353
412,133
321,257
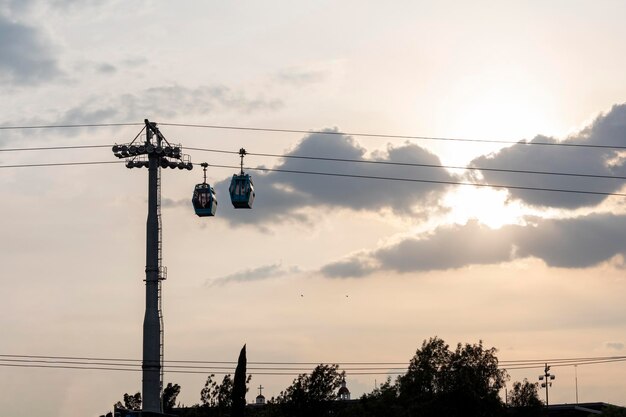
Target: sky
x,y
322,269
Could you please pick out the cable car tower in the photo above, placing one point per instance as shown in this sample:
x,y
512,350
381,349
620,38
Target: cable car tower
x,y
155,153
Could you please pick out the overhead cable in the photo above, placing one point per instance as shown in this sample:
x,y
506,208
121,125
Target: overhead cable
x,y
377,135
60,164
412,164
349,160
68,126
375,177
321,132
335,174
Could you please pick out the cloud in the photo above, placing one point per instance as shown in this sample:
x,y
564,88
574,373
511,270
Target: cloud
x,y
25,54
255,274
105,68
350,268
301,77
614,345
564,243
283,196
608,129
156,102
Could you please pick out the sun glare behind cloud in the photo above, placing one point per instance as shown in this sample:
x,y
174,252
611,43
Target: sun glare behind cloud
x,y
486,205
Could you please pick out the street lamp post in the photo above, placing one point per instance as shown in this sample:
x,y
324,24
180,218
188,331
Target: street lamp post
x,y
548,381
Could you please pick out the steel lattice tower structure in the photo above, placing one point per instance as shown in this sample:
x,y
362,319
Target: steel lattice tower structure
x,y
155,153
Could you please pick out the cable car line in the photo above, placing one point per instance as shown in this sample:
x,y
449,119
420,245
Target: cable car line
x,y
411,164
361,161
331,174
374,177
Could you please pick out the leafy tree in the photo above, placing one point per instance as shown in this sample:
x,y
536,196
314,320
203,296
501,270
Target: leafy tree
x,y
132,402
524,394
425,376
239,386
170,392
474,381
439,381
382,402
217,395
310,395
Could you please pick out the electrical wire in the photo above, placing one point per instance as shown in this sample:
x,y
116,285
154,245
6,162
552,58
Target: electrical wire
x,y
411,164
54,148
322,132
359,161
376,135
374,177
334,174
60,164
284,366
68,126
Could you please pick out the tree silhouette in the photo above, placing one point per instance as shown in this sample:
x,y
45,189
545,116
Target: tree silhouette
x,y
170,392
310,395
239,386
525,398
462,382
132,402
218,396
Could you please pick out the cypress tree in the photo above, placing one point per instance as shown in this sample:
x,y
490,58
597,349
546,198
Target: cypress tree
x,y
239,386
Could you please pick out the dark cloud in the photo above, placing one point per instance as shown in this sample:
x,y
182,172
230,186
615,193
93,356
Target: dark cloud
x,y
25,55
281,196
565,243
106,68
608,129
255,274
350,268
573,243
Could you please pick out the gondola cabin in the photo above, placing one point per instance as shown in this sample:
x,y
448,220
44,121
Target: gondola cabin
x,y
241,191
204,200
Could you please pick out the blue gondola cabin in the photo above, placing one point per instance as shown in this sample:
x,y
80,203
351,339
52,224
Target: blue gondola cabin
x,y
204,200
241,191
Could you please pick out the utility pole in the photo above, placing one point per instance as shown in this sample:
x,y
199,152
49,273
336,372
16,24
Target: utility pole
x,y
576,376
155,153
548,378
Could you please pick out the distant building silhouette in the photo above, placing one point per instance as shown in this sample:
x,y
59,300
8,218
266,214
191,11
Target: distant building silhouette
x,y
260,399
344,393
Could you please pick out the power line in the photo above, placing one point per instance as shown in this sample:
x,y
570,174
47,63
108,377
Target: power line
x,y
559,360
321,132
377,135
59,164
359,161
412,164
374,177
369,364
54,148
68,126
334,174
276,371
